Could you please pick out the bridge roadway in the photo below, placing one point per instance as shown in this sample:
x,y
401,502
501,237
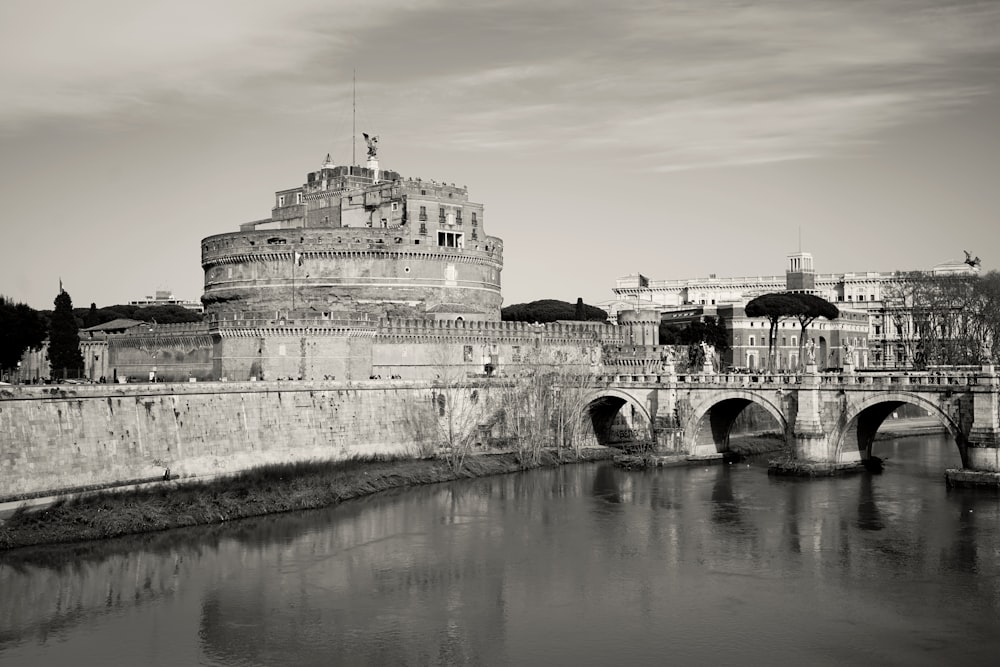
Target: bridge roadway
x,y
828,418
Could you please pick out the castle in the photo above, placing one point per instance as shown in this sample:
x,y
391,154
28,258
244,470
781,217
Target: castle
x,y
358,273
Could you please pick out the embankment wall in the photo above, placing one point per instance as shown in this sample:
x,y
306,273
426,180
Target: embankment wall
x,y
58,438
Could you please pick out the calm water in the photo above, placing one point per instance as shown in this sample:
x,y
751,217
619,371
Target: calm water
x,y
585,565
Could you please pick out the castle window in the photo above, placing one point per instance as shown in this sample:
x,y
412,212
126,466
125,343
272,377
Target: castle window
x,y
458,217
423,213
515,353
395,206
298,197
281,200
467,353
423,192
752,341
441,217
474,221
450,239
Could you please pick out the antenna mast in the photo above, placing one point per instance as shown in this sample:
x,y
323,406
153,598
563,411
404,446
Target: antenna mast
x,y
354,113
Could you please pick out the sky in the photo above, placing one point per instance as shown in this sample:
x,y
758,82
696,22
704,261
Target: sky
x,y
676,139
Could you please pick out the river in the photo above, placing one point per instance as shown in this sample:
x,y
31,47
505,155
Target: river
x,y
581,565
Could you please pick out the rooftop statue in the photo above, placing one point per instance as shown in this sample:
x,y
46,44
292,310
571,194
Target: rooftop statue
x,y
372,142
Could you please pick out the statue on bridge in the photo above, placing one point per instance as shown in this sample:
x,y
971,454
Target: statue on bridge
x,y
667,360
811,351
708,351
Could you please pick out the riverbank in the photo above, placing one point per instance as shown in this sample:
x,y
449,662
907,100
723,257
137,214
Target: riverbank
x,y
909,426
266,490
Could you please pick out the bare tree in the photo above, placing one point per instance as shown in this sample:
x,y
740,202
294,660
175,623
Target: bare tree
x,y
460,405
543,404
941,320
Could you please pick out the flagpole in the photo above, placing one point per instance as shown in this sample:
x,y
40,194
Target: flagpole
x,y
295,261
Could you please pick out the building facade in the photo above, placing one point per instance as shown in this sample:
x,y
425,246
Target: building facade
x,y
872,297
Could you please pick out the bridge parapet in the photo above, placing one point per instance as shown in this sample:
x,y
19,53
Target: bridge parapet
x,y
912,379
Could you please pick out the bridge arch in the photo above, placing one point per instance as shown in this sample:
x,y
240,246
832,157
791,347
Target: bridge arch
x,y
602,405
856,430
711,420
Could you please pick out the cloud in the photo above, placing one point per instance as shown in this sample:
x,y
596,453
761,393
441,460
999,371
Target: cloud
x,y
660,84
71,59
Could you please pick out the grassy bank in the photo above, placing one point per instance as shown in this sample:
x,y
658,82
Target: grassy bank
x,y
265,490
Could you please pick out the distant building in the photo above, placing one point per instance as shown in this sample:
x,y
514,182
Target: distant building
x,y
166,298
872,293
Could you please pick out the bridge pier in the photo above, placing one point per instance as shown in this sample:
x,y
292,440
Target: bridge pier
x,y
983,443
813,452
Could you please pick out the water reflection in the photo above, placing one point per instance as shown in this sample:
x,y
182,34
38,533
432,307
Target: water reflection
x,y
580,565
869,517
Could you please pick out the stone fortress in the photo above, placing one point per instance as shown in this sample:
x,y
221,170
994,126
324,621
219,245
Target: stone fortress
x,y
354,242
358,273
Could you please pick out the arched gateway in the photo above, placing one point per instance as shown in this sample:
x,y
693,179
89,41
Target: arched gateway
x,y
603,406
711,420
862,420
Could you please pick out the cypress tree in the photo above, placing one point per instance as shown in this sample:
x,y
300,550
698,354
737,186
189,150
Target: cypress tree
x,y
65,357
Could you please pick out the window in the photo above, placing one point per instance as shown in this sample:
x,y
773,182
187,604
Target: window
x,y
281,200
441,217
423,213
458,217
753,341
467,353
450,239
474,221
395,206
878,330
861,297
515,353
298,197
795,341
784,341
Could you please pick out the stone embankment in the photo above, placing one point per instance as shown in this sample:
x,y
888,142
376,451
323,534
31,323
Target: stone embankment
x,y
267,490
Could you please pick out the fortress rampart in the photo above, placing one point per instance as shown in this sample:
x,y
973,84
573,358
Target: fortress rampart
x,y
54,438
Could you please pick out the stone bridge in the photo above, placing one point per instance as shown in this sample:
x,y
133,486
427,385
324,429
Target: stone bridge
x,y
825,418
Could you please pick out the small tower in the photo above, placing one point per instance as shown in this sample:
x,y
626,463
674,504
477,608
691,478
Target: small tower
x,y
800,275
643,326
